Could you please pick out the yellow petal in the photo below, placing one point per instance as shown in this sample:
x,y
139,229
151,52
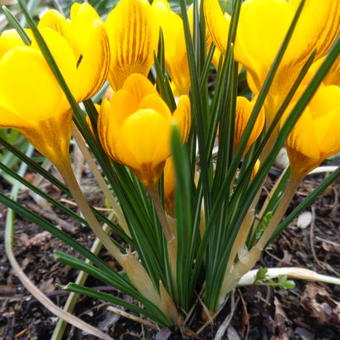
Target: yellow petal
x,y
32,101
139,86
183,117
155,102
86,34
8,40
315,136
217,23
123,104
9,119
325,100
302,147
243,111
63,56
107,129
145,135
28,87
327,133
169,185
133,35
258,41
90,35
174,45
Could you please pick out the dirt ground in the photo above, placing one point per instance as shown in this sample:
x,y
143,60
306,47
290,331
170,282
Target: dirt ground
x,y
310,311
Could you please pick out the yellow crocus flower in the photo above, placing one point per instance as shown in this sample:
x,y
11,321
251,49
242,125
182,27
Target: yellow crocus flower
x,y
31,99
85,32
135,125
261,29
315,136
133,33
174,45
244,108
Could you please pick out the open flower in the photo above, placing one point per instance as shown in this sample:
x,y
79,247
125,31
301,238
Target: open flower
x,y
31,99
315,136
261,29
133,34
135,125
85,33
174,45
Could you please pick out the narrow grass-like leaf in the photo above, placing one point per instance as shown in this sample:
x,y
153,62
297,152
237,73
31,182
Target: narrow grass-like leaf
x,y
15,23
73,287
183,206
306,203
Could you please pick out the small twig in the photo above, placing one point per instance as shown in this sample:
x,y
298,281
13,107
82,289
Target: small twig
x,y
225,324
73,204
27,283
132,317
334,244
48,213
244,306
291,272
311,237
322,169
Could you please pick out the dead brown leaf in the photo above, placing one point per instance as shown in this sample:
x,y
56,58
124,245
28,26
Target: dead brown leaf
x,y
321,305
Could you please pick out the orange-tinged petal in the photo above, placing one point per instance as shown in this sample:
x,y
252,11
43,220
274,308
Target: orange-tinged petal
x,y
145,135
123,104
183,117
325,100
107,129
139,86
315,136
155,102
243,111
169,186
133,35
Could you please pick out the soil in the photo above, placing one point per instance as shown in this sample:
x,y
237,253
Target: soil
x,y
310,311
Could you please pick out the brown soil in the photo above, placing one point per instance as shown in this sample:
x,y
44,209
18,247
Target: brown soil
x,y
310,311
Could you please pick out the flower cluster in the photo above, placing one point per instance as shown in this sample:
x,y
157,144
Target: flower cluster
x,y
189,109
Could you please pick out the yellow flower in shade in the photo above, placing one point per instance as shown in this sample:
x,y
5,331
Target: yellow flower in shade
x,y
244,108
261,29
174,45
31,99
169,186
135,125
133,33
315,136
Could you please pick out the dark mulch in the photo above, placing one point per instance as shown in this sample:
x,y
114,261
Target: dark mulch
x,y
310,311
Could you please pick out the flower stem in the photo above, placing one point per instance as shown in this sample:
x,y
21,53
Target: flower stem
x,y
70,180
168,232
101,181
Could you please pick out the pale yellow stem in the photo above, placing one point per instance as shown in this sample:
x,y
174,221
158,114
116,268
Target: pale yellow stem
x,y
133,268
248,261
101,181
271,193
168,231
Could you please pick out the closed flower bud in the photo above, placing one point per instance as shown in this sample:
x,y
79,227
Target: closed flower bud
x,y
315,136
135,125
